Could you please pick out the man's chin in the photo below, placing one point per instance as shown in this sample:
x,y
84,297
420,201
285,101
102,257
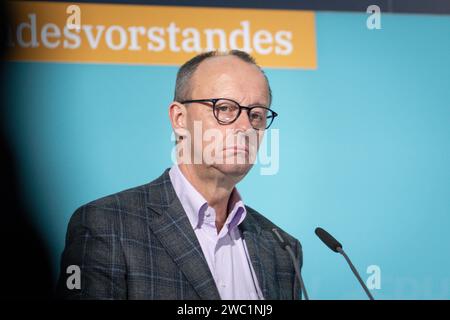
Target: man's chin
x,y
235,170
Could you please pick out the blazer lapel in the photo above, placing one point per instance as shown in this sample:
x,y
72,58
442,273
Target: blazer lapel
x,y
171,226
261,256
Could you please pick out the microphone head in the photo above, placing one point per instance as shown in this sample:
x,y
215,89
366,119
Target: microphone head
x,y
328,239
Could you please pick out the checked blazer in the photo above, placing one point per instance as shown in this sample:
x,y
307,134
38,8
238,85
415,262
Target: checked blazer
x,y
139,244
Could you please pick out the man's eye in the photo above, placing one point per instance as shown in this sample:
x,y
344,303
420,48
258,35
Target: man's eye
x,y
256,116
226,108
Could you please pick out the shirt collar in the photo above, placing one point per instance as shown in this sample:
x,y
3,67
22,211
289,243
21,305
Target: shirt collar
x,y
195,205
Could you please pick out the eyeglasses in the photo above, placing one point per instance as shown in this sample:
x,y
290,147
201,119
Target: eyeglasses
x,y
226,111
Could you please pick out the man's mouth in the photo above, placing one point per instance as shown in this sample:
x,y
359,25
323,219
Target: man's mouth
x,y
237,149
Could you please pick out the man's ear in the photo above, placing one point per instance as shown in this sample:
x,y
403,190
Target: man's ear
x,y
178,118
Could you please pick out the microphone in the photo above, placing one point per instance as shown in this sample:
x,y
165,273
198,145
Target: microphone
x,y
336,246
285,245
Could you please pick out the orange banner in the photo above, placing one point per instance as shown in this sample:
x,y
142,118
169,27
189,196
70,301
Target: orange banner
x,y
157,35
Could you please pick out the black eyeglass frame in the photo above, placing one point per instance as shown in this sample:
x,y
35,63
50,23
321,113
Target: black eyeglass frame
x,y
272,115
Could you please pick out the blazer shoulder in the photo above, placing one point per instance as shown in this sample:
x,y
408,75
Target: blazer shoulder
x,y
128,202
127,197
136,196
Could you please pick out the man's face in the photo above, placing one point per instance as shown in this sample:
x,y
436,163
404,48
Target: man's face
x,y
229,148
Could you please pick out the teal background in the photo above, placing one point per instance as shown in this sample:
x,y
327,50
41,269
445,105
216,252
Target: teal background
x,y
364,149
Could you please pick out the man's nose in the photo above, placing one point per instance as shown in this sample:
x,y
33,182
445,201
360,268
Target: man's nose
x,y
243,121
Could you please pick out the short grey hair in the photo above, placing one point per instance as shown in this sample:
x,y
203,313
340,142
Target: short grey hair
x,y
186,71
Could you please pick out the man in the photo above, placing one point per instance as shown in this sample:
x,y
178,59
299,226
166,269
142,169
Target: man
x,y
188,234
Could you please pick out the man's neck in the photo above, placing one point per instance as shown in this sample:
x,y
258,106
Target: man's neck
x,y
215,189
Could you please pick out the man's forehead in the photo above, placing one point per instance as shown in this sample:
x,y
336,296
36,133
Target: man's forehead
x,y
230,77
229,64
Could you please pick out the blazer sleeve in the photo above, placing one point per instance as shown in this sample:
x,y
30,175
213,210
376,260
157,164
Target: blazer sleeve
x,y
93,245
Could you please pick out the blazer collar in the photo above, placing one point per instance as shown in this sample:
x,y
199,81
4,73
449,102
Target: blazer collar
x,y
261,254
